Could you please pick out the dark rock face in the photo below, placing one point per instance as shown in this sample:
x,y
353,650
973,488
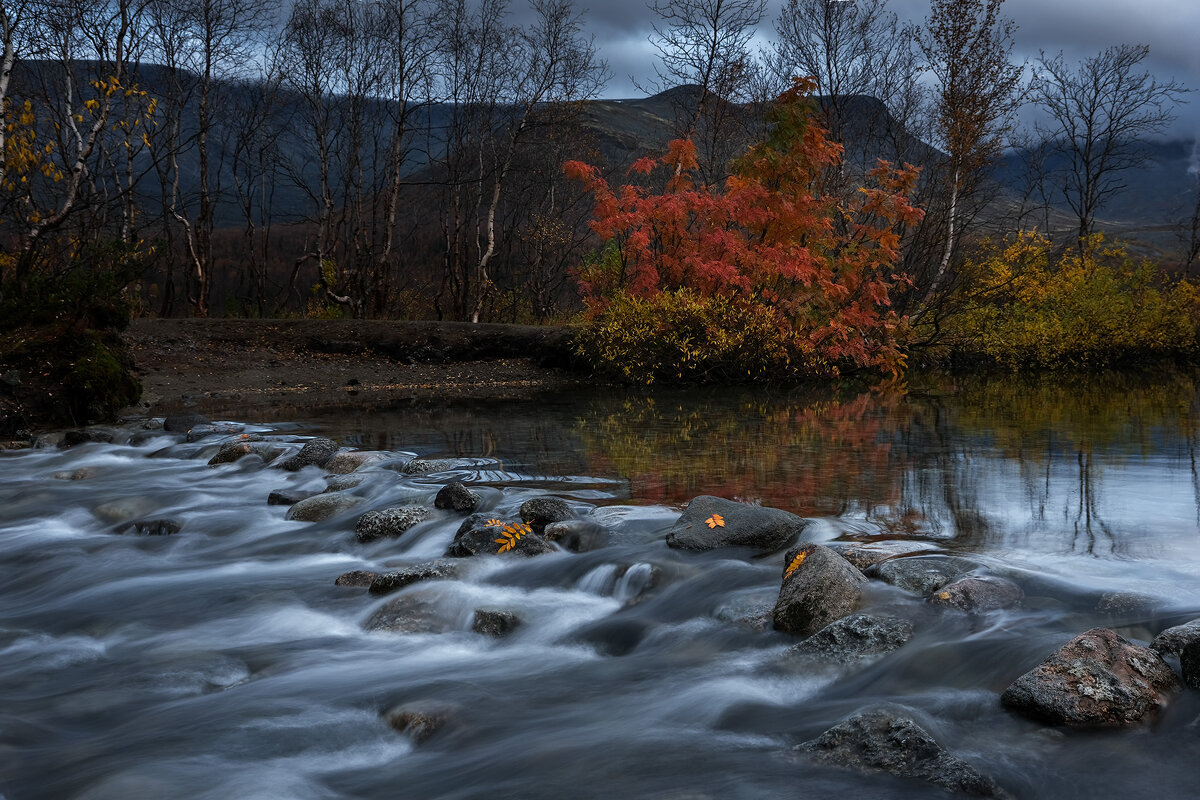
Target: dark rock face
x,y
710,522
978,594
887,740
922,575
322,506
287,497
542,511
867,554
183,422
389,522
853,638
409,614
1189,662
494,622
315,451
389,582
1173,640
577,535
456,497
1096,680
150,527
359,578
482,541
819,587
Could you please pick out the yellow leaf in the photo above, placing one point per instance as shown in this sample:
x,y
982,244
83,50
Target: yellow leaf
x,y
795,565
715,521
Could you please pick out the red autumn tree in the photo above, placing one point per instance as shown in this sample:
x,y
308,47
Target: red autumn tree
x,y
768,241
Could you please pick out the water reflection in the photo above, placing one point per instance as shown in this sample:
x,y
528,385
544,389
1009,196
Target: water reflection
x,y
1085,465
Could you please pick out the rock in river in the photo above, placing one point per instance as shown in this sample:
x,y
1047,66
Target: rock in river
x,y
315,451
1173,640
322,506
1096,680
542,511
410,614
494,622
389,522
922,575
710,522
456,497
388,582
977,594
852,638
577,535
886,739
819,587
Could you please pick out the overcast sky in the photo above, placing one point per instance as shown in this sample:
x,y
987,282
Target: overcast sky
x,y
1076,27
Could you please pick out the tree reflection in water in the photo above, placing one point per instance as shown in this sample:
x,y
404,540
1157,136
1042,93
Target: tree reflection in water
x,y
973,460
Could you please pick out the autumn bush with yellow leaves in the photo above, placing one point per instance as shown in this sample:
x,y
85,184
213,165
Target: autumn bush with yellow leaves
x,y
1030,306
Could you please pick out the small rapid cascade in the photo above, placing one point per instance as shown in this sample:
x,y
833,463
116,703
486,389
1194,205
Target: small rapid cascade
x,y
229,611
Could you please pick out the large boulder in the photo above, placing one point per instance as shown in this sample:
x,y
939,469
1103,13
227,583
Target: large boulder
x,y
391,522
853,638
388,582
1172,641
978,594
921,575
542,511
819,587
1096,680
711,522
887,740
314,452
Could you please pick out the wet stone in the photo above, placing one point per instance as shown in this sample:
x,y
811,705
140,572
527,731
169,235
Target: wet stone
x,y
853,638
711,522
577,535
340,483
1173,640
85,436
287,497
149,527
360,578
978,594
183,422
348,461
541,511
388,582
409,614
424,466
1189,663
887,739
322,506
493,622
316,452
867,554
420,723
198,432
456,497
1124,604
483,541
1096,680
921,575
819,587
387,522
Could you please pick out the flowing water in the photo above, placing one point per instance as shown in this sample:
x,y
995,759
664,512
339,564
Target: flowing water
x,y
223,662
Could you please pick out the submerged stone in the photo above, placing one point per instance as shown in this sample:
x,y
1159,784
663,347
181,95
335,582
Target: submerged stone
x,y
853,638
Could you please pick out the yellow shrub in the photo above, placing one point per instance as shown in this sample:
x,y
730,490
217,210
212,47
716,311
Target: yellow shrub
x,y
1031,308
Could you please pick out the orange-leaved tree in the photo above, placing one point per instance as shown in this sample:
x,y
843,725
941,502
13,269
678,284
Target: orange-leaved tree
x,y
768,245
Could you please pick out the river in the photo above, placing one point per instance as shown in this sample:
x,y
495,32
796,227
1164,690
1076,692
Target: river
x,y
223,662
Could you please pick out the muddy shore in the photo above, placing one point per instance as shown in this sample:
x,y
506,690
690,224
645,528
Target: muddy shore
x,y
278,368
